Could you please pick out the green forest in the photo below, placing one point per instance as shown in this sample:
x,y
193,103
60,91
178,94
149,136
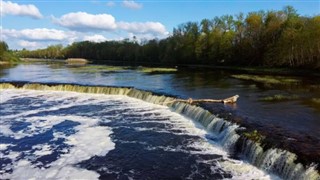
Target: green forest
x,y
5,54
265,38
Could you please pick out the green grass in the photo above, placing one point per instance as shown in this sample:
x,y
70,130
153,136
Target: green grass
x,y
97,68
103,68
280,97
8,58
316,100
254,136
281,80
264,70
156,70
271,70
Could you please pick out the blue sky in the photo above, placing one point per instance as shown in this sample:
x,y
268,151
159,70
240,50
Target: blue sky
x,y
35,24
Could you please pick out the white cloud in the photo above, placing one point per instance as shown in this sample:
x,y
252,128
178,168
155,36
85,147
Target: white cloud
x,y
131,4
95,38
82,21
30,44
11,8
38,37
82,25
111,4
146,27
39,34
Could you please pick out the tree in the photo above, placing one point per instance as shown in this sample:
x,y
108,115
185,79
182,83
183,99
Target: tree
x,y
6,54
3,48
273,38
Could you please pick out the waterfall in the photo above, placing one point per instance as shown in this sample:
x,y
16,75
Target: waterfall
x,y
277,161
273,160
224,131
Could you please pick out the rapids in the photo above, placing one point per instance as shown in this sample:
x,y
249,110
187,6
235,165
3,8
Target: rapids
x,y
126,122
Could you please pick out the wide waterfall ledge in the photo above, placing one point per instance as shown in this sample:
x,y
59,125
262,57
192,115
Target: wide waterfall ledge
x,y
232,137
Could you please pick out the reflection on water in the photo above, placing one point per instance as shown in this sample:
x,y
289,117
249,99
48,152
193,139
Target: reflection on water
x,y
297,115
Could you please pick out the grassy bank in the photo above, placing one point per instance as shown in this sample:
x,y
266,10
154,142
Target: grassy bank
x,y
267,79
105,68
279,97
8,58
316,100
256,70
156,70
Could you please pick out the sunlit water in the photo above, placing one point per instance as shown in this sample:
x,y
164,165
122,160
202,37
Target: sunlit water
x,y
70,135
299,117
59,135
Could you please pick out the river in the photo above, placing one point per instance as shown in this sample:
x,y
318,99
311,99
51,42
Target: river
x,y
40,130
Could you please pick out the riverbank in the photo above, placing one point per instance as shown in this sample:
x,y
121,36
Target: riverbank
x,y
4,63
77,61
11,61
40,60
254,70
257,70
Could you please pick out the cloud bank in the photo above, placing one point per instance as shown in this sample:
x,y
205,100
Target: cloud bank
x,y
39,34
29,10
29,44
83,26
155,28
84,22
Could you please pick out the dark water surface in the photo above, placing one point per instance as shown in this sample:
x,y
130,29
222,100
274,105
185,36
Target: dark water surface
x,y
59,135
142,141
301,115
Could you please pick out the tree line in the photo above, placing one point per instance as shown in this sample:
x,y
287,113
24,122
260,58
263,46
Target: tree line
x,y
5,54
265,38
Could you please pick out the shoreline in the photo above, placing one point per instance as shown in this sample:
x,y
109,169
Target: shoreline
x,y
259,70
254,70
4,63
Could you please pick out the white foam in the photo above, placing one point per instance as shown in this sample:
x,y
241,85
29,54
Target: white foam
x,y
238,169
13,155
49,96
38,125
42,150
89,139
25,170
5,130
93,140
243,170
4,146
58,135
6,95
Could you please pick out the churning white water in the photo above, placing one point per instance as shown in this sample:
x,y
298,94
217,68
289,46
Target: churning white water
x,y
47,134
